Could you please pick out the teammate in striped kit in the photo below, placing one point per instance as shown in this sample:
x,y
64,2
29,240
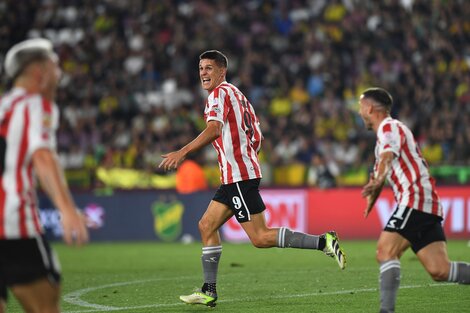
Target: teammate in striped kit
x,y
233,129
28,120
416,222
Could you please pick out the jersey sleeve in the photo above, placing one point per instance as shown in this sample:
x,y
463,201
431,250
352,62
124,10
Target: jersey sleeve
x,y
43,123
389,140
217,109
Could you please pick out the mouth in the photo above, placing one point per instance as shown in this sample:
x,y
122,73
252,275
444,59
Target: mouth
x,y
205,80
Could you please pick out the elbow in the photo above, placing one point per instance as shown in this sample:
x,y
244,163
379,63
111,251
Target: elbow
x,y
217,133
214,130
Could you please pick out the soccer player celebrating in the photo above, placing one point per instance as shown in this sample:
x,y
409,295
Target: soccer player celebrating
x,y
416,222
28,121
233,129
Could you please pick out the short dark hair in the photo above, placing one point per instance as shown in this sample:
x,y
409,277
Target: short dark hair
x,y
219,58
380,96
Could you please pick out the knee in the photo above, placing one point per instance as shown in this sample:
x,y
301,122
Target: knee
x,y
384,254
204,226
259,241
438,273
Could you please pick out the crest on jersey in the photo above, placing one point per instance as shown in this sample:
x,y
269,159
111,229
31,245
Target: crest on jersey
x,y
46,125
47,121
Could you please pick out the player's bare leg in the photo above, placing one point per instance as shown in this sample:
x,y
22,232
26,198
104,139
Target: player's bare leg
x,y
3,306
390,248
214,217
38,297
262,236
436,262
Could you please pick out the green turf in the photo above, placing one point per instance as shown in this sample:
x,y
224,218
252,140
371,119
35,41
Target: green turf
x,y
149,277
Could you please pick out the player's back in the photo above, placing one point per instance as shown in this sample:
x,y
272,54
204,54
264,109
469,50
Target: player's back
x,y
26,124
410,178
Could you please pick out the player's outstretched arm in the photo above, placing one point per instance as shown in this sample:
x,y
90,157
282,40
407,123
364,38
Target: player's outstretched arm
x,y
373,188
173,159
52,180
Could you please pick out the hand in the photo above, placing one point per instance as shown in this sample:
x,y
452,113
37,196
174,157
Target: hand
x,y
370,192
171,160
369,207
371,187
75,231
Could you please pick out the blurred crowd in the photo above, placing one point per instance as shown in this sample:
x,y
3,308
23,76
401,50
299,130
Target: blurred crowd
x,y
131,89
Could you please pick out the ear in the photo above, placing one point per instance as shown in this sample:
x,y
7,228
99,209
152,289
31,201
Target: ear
x,y
370,108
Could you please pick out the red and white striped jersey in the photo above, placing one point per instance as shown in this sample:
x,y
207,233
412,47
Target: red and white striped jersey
x,y
240,142
27,122
409,177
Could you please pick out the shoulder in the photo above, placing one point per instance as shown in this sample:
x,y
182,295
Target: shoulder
x,y
388,125
34,99
226,88
388,130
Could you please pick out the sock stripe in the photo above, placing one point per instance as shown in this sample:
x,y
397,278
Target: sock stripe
x,y
284,237
281,237
453,272
211,250
389,265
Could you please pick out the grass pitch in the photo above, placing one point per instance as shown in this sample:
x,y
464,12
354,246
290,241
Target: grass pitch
x,y
149,277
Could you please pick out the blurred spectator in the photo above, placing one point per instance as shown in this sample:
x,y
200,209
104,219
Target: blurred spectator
x,y
301,63
319,173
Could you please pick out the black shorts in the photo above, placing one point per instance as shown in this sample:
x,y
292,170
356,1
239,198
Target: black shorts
x,y
419,228
242,198
25,260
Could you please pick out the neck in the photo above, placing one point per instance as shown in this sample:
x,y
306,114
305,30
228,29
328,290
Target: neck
x,y
378,120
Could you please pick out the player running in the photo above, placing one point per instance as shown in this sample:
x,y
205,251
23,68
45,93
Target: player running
x,y
416,222
233,129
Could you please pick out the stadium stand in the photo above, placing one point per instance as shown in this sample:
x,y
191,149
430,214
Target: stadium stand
x,y
130,73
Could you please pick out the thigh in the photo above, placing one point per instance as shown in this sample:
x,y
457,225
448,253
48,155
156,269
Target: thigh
x,y
434,257
40,295
391,246
216,215
259,233
256,226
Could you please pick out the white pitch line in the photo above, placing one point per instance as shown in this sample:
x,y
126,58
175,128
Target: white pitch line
x,y
74,297
102,308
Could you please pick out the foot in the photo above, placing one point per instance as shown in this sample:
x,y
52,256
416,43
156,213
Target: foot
x,y
199,297
333,249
